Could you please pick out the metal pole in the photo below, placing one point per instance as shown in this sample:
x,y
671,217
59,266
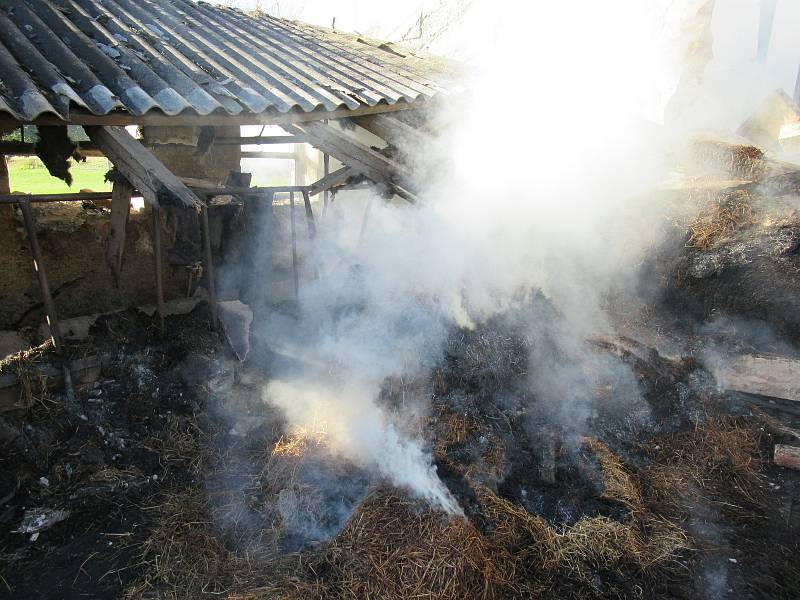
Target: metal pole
x,y
209,266
44,286
157,258
294,248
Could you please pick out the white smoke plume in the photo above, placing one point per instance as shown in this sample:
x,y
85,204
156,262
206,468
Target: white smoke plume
x,y
545,183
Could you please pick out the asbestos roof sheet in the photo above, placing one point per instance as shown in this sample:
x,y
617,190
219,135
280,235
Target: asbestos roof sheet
x,y
179,56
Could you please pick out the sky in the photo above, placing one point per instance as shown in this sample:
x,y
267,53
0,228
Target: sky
x,y
381,19
378,18
735,30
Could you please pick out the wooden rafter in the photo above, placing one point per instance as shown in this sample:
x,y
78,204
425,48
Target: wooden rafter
x,y
157,184
331,180
394,131
83,117
359,157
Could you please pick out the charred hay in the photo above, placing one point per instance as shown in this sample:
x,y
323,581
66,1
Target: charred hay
x,y
739,256
252,513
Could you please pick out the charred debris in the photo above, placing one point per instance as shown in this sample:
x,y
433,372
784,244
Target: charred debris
x,y
138,459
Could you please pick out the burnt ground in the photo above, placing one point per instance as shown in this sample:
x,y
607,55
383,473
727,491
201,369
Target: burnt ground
x,y
107,459
147,464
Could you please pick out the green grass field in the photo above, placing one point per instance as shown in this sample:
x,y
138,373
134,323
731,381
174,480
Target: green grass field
x,y
29,175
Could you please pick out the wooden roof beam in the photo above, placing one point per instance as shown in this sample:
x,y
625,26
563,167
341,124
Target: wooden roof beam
x,y
395,132
157,184
273,117
361,158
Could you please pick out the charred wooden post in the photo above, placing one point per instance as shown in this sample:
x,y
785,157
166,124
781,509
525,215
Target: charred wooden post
x,y
47,298
158,264
295,274
312,227
209,266
120,215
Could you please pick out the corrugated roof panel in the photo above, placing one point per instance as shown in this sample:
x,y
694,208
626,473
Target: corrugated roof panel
x,y
178,56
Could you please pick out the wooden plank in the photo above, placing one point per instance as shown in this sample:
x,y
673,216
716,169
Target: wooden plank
x,y
14,148
5,182
75,197
394,131
272,155
120,214
158,262
295,273
5,188
326,170
157,184
41,274
245,191
208,260
772,376
312,226
338,177
258,140
121,118
787,456
82,371
47,297
360,157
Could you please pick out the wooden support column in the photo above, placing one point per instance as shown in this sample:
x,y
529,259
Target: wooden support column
x,y
158,261
326,170
312,227
120,214
5,186
5,182
295,273
155,182
47,298
209,266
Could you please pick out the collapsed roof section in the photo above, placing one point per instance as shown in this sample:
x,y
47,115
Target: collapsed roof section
x,y
76,59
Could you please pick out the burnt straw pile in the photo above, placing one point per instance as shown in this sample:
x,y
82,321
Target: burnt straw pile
x,y
147,487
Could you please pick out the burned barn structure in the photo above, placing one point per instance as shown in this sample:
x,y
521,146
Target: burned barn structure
x,y
189,76
243,380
